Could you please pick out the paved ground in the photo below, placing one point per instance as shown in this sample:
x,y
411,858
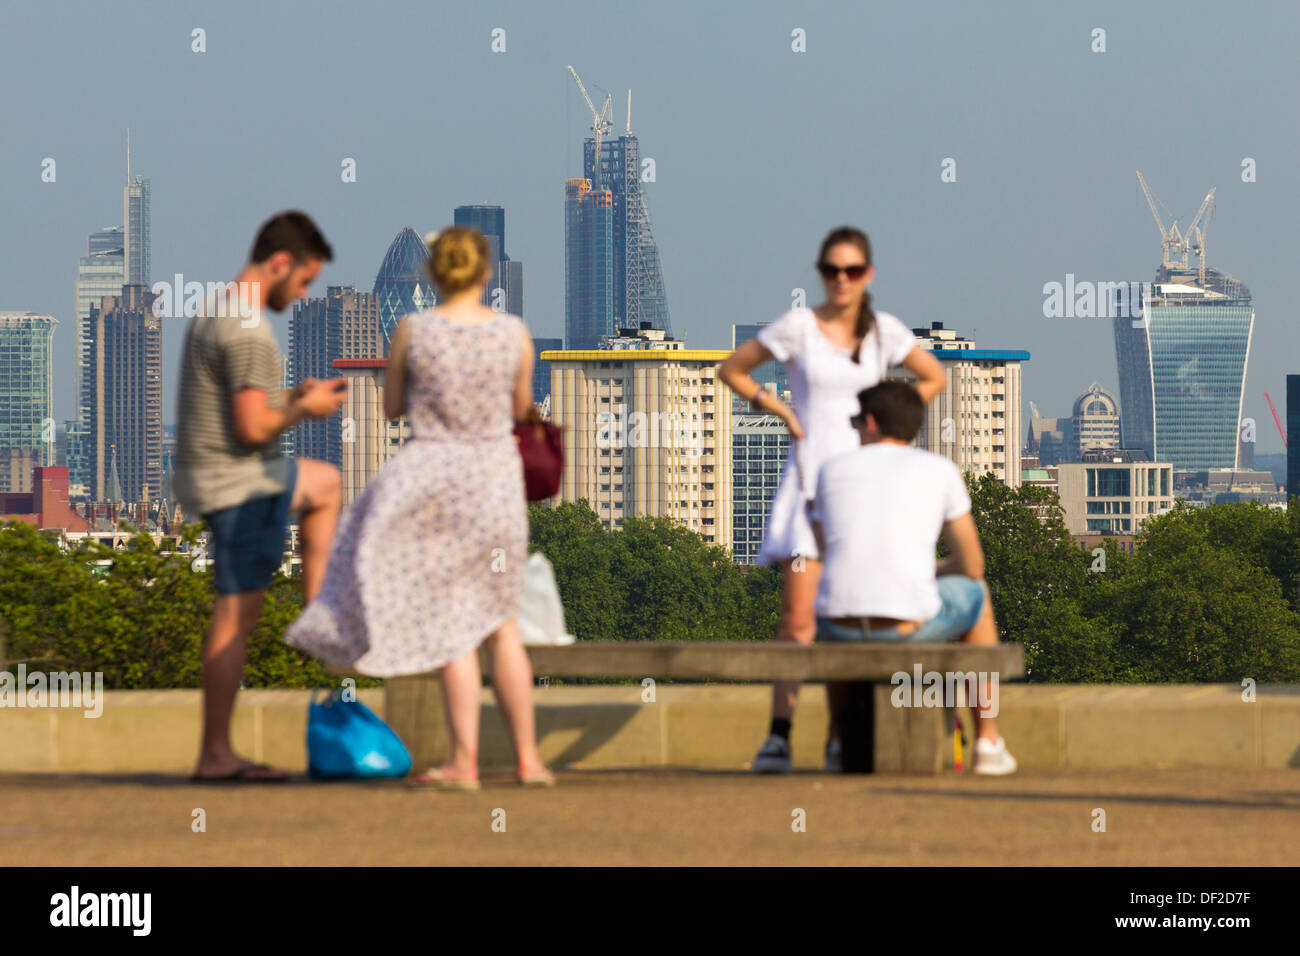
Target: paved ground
x,y
1153,817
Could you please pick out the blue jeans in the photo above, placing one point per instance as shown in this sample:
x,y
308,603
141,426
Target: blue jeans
x,y
962,599
248,540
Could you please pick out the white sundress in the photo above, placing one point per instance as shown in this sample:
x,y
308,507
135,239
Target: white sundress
x,y
824,386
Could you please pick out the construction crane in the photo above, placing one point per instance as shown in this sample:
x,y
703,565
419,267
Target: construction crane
x,y
1169,237
1178,245
1197,230
599,124
1278,420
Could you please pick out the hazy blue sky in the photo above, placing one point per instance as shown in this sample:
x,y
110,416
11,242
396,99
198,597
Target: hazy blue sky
x,y
759,150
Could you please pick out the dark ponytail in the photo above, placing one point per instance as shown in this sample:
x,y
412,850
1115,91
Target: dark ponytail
x,y
866,317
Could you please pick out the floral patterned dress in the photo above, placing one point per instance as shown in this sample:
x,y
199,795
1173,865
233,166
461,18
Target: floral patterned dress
x,y
429,560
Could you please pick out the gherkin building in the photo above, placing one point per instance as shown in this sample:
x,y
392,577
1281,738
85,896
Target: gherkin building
x,y
403,284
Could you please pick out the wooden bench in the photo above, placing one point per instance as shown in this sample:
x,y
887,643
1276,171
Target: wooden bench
x,y
876,735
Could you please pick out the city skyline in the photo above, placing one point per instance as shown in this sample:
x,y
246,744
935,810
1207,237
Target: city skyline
x,y
975,252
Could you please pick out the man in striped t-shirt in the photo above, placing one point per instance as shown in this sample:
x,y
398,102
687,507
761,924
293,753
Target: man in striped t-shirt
x,y
230,471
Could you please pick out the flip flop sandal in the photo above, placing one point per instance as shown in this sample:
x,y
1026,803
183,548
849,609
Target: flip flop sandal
x,y
537,780
434,780
248,773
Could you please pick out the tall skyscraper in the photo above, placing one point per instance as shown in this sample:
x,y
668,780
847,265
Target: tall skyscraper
x,y
613,277
638,278
345,324
101,272
507,284
1182,369
1182,360
402,285
589,309
135,216
26,397
123,385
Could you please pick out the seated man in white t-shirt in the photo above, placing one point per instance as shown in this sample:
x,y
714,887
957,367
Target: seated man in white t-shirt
x,y
877,513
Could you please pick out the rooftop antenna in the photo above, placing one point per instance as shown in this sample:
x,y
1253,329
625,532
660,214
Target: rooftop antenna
x,y
629,112
128,156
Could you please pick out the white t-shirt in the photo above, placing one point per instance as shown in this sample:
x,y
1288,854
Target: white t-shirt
x,y
881,508
824,385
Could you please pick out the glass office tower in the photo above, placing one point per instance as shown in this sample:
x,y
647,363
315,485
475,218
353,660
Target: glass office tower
x,y
589,305
1182,368
135,202
507,282
403,283
638,291
100,273
26,396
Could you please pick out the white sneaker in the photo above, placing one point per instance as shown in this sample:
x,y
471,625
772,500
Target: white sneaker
x,y
773,756
993,759
834,761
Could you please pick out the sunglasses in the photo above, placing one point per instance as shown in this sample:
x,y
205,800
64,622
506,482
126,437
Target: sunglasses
x,y
854,272
857,420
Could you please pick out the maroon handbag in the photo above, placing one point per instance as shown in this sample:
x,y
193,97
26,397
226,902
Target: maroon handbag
x,y
542,451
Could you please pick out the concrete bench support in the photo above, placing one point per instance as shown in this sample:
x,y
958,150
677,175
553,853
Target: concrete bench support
x,y
877,735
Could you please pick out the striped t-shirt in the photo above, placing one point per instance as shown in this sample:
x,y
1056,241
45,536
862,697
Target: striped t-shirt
x,y
214,469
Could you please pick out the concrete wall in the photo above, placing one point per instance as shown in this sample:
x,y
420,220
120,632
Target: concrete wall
x,y
717,726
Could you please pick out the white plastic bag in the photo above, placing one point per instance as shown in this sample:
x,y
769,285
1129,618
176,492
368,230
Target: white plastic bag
x,y
541,614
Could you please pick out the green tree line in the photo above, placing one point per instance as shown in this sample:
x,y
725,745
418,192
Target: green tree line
x,y
1209,594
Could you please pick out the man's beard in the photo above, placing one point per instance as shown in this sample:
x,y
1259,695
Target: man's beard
x,y
279,297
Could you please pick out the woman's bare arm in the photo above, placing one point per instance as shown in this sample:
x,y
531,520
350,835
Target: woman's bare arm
x,y
523,400
734,372
395,375
930,376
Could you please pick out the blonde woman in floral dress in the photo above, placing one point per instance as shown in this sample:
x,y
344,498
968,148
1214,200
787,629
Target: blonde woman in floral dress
x,y
429,562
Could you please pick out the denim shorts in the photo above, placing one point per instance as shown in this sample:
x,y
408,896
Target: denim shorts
x,y
961,601
248,539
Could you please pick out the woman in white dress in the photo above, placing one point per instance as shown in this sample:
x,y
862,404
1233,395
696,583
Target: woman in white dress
x,y
831,353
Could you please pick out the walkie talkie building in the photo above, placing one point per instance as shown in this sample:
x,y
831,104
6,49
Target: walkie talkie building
x,y
1182,368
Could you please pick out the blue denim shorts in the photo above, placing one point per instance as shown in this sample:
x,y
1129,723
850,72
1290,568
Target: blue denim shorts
x,y
962,599
248,539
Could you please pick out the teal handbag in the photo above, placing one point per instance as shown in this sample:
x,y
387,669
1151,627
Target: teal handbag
x,y
345,739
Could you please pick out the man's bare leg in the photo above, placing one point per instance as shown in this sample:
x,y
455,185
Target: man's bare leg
x,y
317,495
224,652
